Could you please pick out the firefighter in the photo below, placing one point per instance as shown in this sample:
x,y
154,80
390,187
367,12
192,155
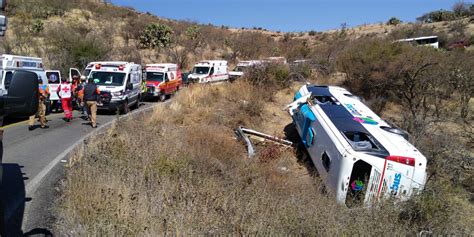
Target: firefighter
x,y
65,94
91,95
43,95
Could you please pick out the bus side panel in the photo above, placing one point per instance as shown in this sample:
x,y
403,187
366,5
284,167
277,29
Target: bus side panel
x,y
323,144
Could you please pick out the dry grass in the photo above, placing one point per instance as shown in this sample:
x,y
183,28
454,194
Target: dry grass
x,y
181,172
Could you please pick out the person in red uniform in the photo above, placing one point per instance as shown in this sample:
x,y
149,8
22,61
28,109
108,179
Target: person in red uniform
x,y
65,93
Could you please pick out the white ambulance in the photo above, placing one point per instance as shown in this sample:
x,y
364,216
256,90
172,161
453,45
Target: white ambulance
x,y
119,83
10,63
243,66
162,80
54,80
209,71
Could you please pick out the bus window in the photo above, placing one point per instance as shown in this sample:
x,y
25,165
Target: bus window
x,y
326,161
358,184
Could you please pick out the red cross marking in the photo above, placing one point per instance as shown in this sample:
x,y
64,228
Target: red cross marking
x,y
65,89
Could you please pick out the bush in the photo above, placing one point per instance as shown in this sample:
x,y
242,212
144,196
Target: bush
x,y
156,36
394,21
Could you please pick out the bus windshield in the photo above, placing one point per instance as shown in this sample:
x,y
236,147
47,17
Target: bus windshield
x,y
155,76
108,78
201,70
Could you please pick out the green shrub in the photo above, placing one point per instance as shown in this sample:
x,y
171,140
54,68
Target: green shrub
x,y
156,36
394,21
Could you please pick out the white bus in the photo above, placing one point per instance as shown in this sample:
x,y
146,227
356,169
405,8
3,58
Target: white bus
x,y
360,157
425,40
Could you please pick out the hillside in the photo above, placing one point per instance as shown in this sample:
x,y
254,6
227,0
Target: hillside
x,y
194,178
75,33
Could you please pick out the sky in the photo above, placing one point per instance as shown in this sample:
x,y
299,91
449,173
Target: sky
x,y
288,15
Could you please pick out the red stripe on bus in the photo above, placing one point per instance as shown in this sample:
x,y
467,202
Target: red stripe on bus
x,y
382,178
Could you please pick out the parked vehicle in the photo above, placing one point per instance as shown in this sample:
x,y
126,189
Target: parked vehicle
x,y
12,63
209,71
361,157
54,80
277,60
162,80
119,82
241,67
425,40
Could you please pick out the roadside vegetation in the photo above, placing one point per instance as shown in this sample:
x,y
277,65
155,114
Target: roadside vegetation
x,y
179,171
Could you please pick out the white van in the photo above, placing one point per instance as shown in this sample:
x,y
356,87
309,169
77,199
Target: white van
x,y
209,71
10,63
360,157
54,80
120,82
243,66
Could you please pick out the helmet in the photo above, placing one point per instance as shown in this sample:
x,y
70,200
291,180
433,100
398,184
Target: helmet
x,y
83,78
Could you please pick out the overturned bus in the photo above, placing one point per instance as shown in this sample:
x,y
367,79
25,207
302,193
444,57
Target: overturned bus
x,y
360,157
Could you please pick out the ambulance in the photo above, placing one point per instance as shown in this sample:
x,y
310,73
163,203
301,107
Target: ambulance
x,y
11,63
162,80
209,71
360,157
241,67
54,80
119,83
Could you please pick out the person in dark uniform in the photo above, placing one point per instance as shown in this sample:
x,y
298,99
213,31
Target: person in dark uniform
x,y
91,95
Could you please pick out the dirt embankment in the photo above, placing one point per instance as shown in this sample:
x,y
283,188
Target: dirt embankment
x,y
180,171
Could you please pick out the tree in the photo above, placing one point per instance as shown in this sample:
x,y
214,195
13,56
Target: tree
x,y
156,36
462,80
414,86
394,21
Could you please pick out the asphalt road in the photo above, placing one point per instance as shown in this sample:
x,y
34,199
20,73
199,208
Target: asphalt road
x,y
32,169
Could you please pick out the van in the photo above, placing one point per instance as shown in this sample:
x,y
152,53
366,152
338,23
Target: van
x,y
54,80
11,63
119,82
162,80
209,71
360,157
242,67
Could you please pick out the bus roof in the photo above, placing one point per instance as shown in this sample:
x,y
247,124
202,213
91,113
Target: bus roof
x,y
352,118
418,38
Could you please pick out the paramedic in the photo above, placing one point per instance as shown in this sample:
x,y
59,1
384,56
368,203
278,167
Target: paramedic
x,y
91,95
43,95
65,93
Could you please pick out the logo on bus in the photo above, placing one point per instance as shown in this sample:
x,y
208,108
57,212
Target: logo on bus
x,y
396,183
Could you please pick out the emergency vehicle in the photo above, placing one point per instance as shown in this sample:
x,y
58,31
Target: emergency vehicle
x,y
10,63
209,71
361,157
119,83
241,67
54,80
162,80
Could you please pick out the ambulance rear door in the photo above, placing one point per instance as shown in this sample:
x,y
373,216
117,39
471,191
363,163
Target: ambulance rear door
x,y
54,80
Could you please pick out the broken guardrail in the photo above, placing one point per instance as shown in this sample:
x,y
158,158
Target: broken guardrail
x,y
245,134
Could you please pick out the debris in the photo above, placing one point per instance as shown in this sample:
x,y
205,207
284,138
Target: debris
x,y
245,134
